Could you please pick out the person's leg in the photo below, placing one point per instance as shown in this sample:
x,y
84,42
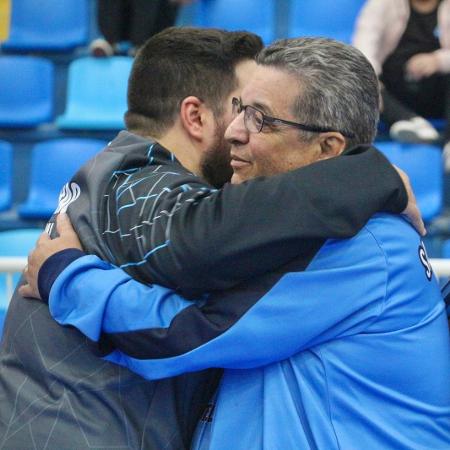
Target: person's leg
x,y
143,18
112,16
427,96
150,17
446,111
404,105
111,19
167,15
393,109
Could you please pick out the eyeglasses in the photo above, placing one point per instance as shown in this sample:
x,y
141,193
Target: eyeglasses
x,y
254,120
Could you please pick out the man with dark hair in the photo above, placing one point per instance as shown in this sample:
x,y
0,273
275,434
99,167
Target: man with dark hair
x,y
338,344
172,68
55,390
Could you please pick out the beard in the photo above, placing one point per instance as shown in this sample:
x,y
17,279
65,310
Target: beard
x,y
215,165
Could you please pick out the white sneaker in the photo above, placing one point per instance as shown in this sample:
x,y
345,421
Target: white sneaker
x,y
101,48
415,130
446,157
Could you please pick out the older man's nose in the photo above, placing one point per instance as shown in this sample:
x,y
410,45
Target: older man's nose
x,y
236,131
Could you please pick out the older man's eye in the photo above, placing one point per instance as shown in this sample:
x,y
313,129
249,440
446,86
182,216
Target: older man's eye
x,y
258,119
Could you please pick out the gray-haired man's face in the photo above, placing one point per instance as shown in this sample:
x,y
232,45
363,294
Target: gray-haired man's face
x,y
275,149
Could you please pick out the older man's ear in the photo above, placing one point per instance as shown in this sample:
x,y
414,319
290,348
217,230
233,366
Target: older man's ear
x,y
332,144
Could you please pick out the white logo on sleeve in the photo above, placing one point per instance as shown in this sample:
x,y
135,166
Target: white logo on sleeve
x,y
424,260
67,196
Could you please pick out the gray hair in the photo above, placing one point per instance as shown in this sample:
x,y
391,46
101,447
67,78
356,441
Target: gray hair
x,y
338,87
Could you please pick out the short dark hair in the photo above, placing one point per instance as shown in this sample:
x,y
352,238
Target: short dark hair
x,y
179,62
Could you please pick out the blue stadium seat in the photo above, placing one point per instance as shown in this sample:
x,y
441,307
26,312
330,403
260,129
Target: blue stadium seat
x,y
423,164
252,15
49,25
6,168
446,249
96,96
26,98
333,19
14,243
52,164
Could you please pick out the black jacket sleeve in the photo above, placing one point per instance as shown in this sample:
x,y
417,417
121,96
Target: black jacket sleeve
x,y
199,240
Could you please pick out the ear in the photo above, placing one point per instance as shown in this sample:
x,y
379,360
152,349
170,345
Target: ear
x,y
192,116
331,144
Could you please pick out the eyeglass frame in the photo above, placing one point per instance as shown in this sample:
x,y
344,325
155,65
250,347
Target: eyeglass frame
x,y
237,103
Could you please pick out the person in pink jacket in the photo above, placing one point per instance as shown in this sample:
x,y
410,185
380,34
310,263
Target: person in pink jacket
x,y
408,44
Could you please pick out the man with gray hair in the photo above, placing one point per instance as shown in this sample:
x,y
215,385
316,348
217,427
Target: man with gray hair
x,y
332,351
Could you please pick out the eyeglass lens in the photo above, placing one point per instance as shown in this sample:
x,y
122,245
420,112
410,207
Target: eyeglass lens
x,y
253,119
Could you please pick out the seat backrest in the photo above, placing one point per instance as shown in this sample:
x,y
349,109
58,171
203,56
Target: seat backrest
x,y
328,18
18,242
423,164
252,15
6,169
26,91
446,249
52,165
97,91
55,25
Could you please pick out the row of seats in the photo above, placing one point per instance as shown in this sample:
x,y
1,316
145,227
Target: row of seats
x,y
330,18
96,92
47,25
53,163
62,25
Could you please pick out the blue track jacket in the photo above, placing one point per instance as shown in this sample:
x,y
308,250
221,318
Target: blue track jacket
x,y
352,352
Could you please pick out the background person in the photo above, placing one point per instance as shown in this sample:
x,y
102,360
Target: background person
x,y
408,44
132,20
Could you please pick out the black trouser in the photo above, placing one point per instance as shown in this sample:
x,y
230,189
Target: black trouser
x,y
429,97
134,20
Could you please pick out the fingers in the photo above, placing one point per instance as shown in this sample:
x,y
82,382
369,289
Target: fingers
x,y
413,216
66,232
417,222
30,288
63,224
43,238
26,290
411,212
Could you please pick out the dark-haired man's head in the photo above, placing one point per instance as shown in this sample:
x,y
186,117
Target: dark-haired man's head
x,y
180,92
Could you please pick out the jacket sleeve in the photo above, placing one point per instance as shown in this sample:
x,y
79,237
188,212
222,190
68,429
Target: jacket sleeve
x,y
158,334
199,240
120,302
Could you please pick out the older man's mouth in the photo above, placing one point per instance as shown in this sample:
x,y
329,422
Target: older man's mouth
x,y
238,163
